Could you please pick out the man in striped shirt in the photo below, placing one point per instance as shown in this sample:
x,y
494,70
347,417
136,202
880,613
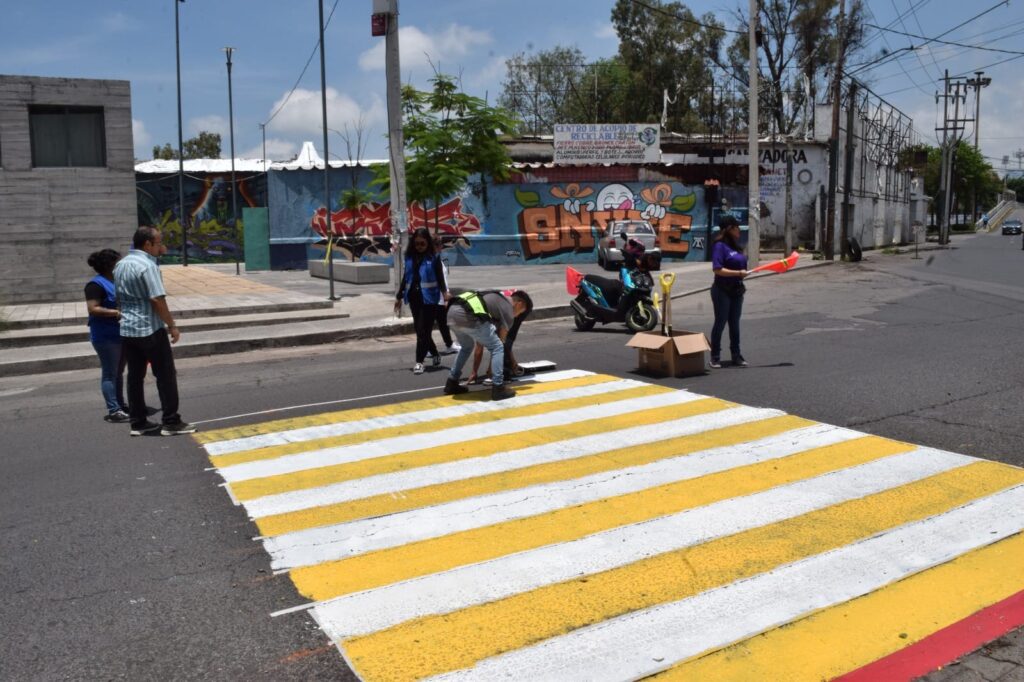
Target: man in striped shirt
x,y
147,332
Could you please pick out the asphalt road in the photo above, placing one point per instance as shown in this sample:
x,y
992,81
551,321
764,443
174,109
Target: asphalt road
x,y
122,558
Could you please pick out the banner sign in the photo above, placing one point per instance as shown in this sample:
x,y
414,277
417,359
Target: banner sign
x,y
580,143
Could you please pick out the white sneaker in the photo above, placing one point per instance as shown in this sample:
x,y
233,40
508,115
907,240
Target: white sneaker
x,y
417,368
452,349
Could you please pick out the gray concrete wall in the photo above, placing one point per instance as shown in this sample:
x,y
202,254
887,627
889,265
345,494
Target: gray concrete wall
x,y
51,219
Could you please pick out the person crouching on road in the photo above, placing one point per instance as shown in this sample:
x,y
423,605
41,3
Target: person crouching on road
x,y
424,288
484,319
730,267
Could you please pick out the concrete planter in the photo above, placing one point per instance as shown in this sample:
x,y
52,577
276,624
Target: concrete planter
x,y
353,273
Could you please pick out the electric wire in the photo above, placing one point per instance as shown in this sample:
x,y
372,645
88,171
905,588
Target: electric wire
x,y
298,80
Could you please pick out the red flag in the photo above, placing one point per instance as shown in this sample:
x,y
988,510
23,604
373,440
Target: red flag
x,y
572,281
787,263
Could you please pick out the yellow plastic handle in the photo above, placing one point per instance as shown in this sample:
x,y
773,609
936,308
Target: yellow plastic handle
x,y
667,279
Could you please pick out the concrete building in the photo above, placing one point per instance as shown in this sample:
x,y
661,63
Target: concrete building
x,y
67,182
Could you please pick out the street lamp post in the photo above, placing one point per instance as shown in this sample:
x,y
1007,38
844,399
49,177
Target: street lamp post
x,y
181,156
234,184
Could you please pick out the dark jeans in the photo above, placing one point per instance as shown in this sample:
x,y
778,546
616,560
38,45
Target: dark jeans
x,y
727,310
423,319
111,373
155,350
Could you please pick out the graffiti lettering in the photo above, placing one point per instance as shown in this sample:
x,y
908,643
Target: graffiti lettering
x,y
553,230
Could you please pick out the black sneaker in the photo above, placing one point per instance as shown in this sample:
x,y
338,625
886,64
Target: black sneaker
x,y
502,392
452,387
738,361
144,428
117,417
177,429
715,363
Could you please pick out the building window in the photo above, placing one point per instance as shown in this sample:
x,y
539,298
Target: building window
x,y
67,136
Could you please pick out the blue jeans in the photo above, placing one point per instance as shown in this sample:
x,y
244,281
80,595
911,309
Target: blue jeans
x,y
727,310
487,336
111,373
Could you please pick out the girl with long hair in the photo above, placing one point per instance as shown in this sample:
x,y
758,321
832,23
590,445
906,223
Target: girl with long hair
x,y
729,264
425,290
105,333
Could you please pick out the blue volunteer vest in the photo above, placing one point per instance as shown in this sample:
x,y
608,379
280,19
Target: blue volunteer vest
x,y
105,328
428,280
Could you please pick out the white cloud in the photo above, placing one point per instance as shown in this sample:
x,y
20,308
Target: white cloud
x,y
606,32
490,74
141,140
302,114
211,123
277,150
419,49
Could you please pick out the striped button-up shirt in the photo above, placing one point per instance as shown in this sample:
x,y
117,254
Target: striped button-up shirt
x,y
137,277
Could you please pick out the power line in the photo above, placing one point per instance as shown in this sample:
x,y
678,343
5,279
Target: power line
x,y
685,20
301,75
988,66
946,42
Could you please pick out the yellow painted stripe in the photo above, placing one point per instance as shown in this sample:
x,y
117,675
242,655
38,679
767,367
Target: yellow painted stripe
x,y
550,472
851,635
383,567
435,425
438,644
478,447
387,410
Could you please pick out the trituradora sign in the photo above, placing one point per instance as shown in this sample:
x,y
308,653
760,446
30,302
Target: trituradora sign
x,y
582,143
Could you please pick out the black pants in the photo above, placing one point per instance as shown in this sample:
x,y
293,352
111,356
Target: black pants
x,y
442,326
155,350
728,310
423,318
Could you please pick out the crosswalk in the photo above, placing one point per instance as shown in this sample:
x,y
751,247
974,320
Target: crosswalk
x,y
600,528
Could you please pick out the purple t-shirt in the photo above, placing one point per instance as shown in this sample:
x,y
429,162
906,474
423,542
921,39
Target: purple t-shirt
x,y
724,256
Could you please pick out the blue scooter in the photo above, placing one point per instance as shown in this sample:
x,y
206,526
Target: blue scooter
x,y
628,299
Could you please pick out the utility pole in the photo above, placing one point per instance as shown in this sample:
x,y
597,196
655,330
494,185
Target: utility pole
x,y
753,167
385,21
181,155
844,222
234,182
978,82
263,132
328,229
833,165
952,130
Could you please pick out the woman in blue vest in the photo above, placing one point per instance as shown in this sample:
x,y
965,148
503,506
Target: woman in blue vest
x,y
425,290
104,332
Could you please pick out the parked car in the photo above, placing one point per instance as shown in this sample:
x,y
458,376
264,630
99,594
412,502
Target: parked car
x,y
1012,226
618,232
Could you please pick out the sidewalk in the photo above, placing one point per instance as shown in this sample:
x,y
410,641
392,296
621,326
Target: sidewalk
x,y
220,312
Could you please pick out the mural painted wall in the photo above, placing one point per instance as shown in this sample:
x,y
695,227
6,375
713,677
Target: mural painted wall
x,y
212,230
517,223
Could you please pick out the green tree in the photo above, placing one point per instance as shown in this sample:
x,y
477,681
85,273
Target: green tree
x,y
796,50
665,48
449,136
1016,185
205,145
548,87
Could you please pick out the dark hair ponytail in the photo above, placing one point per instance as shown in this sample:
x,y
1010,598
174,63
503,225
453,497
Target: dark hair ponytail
x,y
103,262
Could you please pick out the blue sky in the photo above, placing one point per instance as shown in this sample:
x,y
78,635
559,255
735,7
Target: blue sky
x,y
134,40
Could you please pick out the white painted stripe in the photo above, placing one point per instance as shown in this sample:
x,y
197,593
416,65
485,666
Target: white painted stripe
x,y
390,446
456,409
459,588
566,374
502,461
316,545
648,641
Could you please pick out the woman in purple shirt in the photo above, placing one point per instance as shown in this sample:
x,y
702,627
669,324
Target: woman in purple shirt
x,y
730,267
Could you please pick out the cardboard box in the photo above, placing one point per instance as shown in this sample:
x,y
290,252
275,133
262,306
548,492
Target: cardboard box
x,y
681,355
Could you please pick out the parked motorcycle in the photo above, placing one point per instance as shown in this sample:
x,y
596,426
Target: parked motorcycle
x,y
605,300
